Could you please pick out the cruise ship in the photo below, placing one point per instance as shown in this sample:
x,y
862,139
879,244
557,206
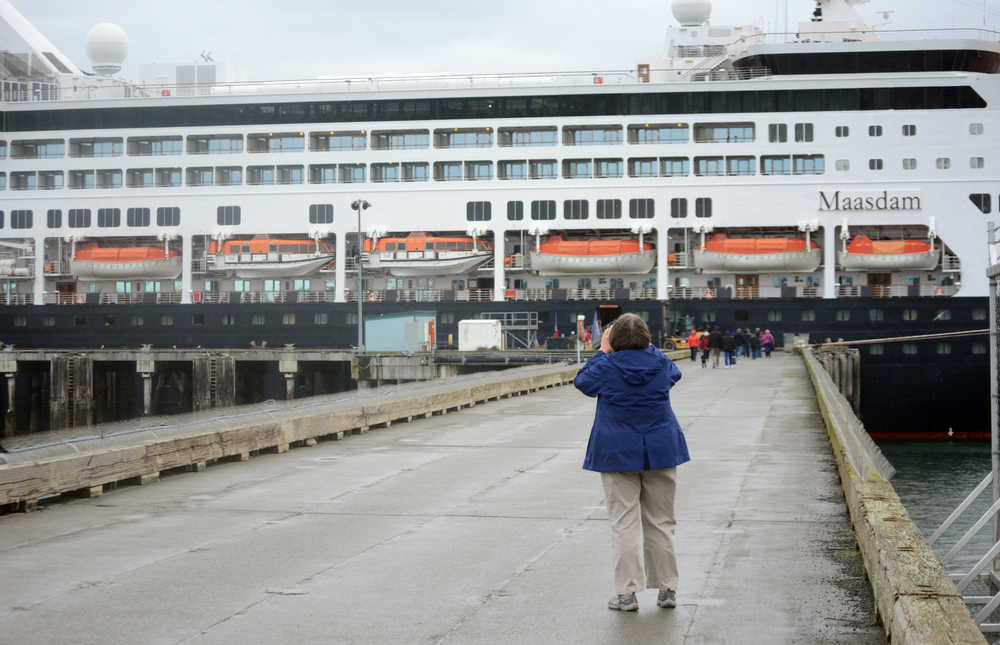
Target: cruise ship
x,y
831,182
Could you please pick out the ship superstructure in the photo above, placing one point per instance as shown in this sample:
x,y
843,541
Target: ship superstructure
x,y
732,141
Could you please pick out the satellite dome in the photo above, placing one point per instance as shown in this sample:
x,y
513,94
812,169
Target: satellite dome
x,y
106,47
692,12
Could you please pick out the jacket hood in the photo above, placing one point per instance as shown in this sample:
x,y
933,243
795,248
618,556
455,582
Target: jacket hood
x,y
638,366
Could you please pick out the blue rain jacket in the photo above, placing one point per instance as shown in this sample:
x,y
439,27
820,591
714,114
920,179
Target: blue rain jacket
x,y
634,428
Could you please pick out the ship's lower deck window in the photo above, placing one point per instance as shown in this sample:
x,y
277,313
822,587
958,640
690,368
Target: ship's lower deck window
x,y
227,320
909,349
943,163
979,347
222,144
543,209
512,169
137,217
703,207
260,175
78,179
515,211
351,173
53,218
21,219
257,319
478,211
909,164
942,315
416,171
803,132
678,207
321,318
290,174
910,315
609,209
227,216
109,217
79,217
983,202
323,174
777,132
334,140
909,130
575,209
876,349
809,315
674,167
842,315
875,164
168,216
842,164
976,162
228,175
876,315
641,209
586,135
288,318
874,131
321,214
976,128
542,169
842,131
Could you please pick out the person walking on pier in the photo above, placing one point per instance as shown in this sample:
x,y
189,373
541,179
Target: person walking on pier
x,y
636,444
767,343
729,347
715,345
755,344
703,346
693,344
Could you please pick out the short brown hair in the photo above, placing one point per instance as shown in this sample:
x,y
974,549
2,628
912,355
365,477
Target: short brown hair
x,y
630,332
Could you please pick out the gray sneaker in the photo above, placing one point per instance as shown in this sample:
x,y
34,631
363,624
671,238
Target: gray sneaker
x,y
626,602
667,598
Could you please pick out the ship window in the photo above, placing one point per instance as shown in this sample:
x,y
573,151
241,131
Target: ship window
x,y
512,169
137,217
658,133
478,170
678,208
876,349
641,208
134,177
942,314
166,320
79,217
575,209
542,169
200,176
3,149
975,128
776,165
109,217
909,130
979,314
543,209
809,315
592,135
351,318
48,321
321,214
40,149
703,207
576,168
723,132
709,166
808,164
78,179
843,315
478,211
979,347
260,175
276,142
321,318
351,173
53,218
154,146
777,132
447,171
383,173
609,209
463,138
79,321
875,164
400,140
53,179
3,181
547,136
674,167
803,131
976,162
227,216
322,174
642,167
227,320
26,180
943,348
220,144
910,315
21,219
773,315
112,178
290,174
228,175
105,147
515,211
943,163
709,316
257,319
605,168
874,131
168,216
982,202
842,131
740,166
416,171
909,164
843,164
876,315
334,140
170,177
288,318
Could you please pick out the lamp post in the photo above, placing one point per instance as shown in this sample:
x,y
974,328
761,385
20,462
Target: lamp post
x,y
360,205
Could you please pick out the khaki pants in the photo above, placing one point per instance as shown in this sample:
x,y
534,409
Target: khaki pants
x,y
716,352
646,496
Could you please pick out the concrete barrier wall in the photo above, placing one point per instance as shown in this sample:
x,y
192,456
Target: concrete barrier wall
x,y
914,595
86,467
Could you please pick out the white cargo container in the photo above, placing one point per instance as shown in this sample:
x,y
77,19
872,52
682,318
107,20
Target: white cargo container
x,y
479,334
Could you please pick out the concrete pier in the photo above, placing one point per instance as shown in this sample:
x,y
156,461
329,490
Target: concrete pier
x,y
475,527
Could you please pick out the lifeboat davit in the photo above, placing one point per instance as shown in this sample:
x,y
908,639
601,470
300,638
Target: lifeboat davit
x,y
264,256
419,254
94,262
724,254
864,254
557,256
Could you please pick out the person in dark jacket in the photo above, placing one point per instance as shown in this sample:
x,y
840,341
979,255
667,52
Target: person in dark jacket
x,y
715,345
636,444
703,346
729,347
755,344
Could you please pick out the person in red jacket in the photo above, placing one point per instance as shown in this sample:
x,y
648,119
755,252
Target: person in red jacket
x,y
693,345
703,346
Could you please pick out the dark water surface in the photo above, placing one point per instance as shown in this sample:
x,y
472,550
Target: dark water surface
x,y
932,478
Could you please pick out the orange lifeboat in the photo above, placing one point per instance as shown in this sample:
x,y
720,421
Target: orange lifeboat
x,y
266,256
722,253
556,256
863,254
94,262
420,254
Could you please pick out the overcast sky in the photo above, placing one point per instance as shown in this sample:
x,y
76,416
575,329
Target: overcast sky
x,y
308,38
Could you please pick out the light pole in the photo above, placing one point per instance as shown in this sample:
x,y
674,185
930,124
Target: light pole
x,y
360,205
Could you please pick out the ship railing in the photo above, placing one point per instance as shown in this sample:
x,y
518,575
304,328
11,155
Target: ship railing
x,y
950,263
895,291
16,299
682,260
199,265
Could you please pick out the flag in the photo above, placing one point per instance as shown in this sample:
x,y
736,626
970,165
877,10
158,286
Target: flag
x,y
595,329
555,323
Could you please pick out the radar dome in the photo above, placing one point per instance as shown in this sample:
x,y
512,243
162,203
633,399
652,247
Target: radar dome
x,y
692,12
106,47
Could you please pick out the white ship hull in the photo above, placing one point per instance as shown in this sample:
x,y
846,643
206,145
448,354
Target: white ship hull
x,y
268,266
166,268
804,261
417,263
892,262
631,263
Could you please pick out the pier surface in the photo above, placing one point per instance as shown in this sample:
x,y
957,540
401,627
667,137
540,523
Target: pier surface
x,y
474,527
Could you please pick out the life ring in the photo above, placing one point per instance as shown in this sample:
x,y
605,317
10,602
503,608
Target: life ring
x,y
708,293
197,296
939,291
80,299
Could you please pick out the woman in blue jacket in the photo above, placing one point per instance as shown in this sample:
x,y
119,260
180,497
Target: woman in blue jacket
x,y
636,444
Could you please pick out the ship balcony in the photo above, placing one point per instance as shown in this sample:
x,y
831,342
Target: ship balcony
x,y
744,293
682,260
16,299
950,263
146,298
510,263
895,291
